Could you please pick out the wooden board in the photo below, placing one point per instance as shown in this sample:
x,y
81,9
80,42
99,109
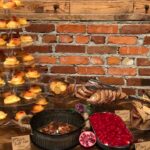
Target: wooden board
x,y
101,6
83,10
139,6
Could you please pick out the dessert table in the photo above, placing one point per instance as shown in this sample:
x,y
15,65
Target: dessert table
x,y
6,132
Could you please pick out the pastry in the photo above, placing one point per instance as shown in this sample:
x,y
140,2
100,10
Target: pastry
x,y
2,42
11,61
3,115
32,74
28,59
42,101
37,108
9,5
29,95
11,99
14,42
22,21
58,87
26,39
20,114
2,82
2,24
35,89
17,79
12,24
17,2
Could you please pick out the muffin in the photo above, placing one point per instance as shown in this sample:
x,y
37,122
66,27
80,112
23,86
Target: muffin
x,y
11,99
32,74
3,115
14,42
11,61
2,42
22,21
42,101
58,87
9,5
17,79
35,89
2,82
18,3
12,24
29,95
2,24
37,108
28,59
26,39
20,114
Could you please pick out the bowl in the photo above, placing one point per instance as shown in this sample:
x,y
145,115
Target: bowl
x,y
56,142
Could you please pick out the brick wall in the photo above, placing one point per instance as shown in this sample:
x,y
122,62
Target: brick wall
x,y
95,49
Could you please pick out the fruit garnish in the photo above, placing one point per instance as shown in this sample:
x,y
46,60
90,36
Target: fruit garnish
x,y
87,139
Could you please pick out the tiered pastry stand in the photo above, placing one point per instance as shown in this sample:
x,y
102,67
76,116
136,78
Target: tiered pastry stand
x,y
9,72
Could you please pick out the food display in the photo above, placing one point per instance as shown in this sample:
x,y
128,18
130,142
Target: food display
x,y
110,130
95,95
28,59
57,128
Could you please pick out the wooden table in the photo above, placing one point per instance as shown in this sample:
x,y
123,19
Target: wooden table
x,y
11,131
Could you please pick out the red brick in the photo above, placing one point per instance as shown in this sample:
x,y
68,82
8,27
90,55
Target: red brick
x,y
71,28
112,80
81,39
39,48
144,71
147,40
98,39
65,38
138,82
102,29
70,49
49,38
122,71
46,59
90,70
133,50
122,40
63,69
96,60
102,50
74,60
129,91
143,61
136,29
113,60
41,28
